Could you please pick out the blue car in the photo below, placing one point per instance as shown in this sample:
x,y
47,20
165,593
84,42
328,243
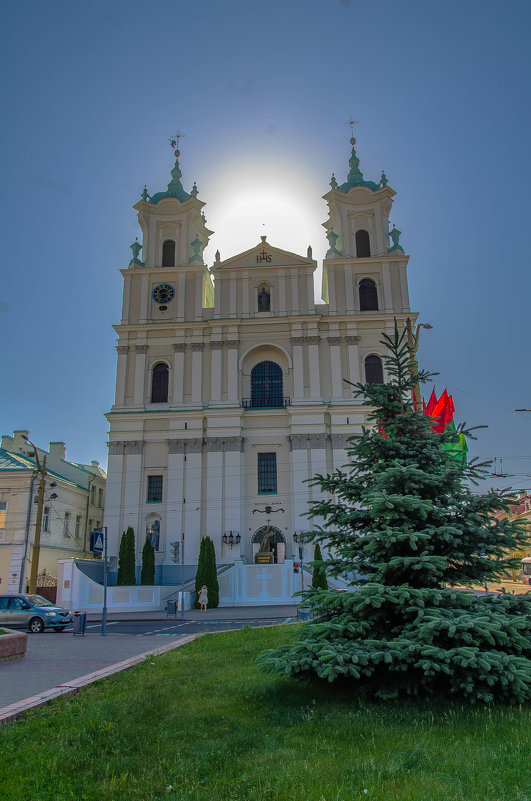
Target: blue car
x,y
32,612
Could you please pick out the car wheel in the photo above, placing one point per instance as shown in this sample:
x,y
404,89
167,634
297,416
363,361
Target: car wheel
x,y
59,628
36,626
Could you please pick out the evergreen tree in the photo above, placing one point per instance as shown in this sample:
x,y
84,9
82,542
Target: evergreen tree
x,y
147,574
404,526
319,579
126,559
207,573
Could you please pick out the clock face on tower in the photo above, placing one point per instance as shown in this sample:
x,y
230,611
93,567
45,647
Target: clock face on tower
x,y
163,293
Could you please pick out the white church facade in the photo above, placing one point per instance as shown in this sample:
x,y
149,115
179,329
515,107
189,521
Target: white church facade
x,y
230,388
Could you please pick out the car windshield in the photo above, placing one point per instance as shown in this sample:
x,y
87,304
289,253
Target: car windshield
x,y
38,600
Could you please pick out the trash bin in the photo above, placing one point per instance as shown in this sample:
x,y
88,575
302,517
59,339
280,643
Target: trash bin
x,y
79,623
171,607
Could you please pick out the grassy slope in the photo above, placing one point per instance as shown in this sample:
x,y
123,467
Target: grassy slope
x,y
205,721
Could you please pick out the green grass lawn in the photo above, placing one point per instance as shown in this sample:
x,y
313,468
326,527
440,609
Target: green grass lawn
x,y
204,721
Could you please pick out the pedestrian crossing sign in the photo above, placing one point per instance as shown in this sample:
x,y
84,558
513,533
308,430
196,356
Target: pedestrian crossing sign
x,y
97,546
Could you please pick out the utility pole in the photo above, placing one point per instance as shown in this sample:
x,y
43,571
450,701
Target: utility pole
x,y
41,470
413,346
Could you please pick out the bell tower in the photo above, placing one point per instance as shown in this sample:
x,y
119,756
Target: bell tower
x,y
361,272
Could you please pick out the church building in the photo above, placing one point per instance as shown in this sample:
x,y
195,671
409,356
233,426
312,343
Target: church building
x,y
230,387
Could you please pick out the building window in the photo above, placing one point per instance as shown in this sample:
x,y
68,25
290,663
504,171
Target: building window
x,y
168,253
93,496
66,525
267,473
100,497
363,244
266,385
46,519
154,494
77,532
159,384
264,298
373,370
91,524
3,509
368,295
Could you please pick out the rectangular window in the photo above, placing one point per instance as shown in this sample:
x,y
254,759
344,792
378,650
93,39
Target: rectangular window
x,y
93,496
100,497
154,489
267,473
66,526
46,519
3,509
78,527
91,524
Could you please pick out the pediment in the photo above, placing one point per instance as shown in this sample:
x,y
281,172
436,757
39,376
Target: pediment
x,y
264,255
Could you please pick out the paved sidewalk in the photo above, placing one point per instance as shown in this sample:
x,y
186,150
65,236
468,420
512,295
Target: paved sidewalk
x,y
222,613
55,662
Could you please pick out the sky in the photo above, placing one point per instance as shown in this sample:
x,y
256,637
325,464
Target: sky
x,y
92,92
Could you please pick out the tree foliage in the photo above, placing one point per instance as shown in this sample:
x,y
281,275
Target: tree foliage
x,y
207,573
126,559
147,574
319,579
404,526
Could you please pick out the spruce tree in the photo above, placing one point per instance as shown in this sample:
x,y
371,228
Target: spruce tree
x,y
403,524
126,559
207,573
147,574
319,580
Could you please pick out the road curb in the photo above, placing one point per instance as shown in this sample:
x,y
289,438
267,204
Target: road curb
x,y
70,688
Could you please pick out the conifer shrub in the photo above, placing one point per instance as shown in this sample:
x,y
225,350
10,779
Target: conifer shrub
x,y
403,524
147,574
319,579
126,559
207,573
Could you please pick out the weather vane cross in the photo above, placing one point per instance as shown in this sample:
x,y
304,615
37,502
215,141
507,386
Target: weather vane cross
x,y
174,141
352,123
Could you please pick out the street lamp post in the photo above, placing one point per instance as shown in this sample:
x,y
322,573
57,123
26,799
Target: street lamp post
x,y
41,470
413,336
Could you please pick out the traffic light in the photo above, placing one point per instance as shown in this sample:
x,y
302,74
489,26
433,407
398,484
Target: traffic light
x,y
295,567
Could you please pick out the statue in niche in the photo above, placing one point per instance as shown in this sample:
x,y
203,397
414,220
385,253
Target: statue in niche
x,y
153,533
264,300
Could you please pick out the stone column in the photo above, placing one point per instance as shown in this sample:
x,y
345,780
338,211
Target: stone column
x,y
181,296
335,366
349,289
217,296
215,502
313,363
281,293
299,474
245,294
134,491
233,493
387,300
403,288
126,303
175,495
232,295
197,371
114,509
232,369
311,296
121,374
353,359
140,375
339,450
317,465
294,292
198,295
178,372
332,302
298,368
192,499
215,376
144,299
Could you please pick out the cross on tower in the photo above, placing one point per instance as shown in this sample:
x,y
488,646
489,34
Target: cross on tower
x,y
352,123
174,141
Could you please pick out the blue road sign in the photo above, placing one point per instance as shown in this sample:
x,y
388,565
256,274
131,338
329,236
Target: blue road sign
x,y
97,546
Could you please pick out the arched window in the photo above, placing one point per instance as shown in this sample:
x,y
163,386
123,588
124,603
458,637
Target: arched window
x,y
363,244
373,370
266,385
264,298
159,384
168,253
368,295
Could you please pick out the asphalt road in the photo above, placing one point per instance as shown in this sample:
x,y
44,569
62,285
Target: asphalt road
x,y
172,627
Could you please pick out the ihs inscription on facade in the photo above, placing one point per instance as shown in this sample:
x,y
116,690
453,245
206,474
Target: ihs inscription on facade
x,y
263,256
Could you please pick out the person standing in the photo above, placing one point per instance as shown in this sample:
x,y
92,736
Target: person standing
x,y
203,598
